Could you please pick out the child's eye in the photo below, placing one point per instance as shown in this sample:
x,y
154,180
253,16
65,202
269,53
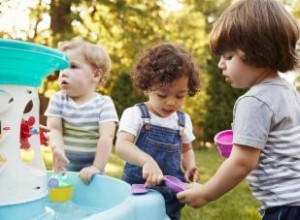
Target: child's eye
x,y
73,66
180,96
228,57
161,96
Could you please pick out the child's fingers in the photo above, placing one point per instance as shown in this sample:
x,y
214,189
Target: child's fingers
x,y
85,174
194,174
145,174
181,196
154,179
197,177
44,128
187,176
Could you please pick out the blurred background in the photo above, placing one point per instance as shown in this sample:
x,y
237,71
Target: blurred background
x,y
125,27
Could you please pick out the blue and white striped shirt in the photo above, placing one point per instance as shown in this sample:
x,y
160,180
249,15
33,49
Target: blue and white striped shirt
x,y
81,122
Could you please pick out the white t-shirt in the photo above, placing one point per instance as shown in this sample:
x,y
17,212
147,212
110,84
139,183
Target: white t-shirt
x,y
132,122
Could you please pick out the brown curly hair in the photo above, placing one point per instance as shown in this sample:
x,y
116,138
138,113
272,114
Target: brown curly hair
x,y
160,64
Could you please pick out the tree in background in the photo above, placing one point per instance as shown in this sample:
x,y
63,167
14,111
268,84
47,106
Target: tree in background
x,y
126,27
124,94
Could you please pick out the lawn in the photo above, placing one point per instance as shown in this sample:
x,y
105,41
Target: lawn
x,y
238,204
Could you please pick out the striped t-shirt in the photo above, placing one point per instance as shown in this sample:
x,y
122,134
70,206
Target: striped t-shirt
x,y
268,117
81,122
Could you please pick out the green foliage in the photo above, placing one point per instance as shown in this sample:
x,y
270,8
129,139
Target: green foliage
x,y
219,105
125,28
124,94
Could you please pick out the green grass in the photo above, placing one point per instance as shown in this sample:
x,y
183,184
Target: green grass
x,y
235,205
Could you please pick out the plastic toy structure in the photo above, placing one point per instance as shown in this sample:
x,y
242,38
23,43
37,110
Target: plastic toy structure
x,y
223,141
27,191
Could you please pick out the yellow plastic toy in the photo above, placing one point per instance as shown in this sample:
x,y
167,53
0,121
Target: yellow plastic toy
x,y
47,156
27,156
60,187
61,194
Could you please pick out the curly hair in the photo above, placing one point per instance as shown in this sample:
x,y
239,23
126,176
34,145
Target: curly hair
x,y
160,64
95,55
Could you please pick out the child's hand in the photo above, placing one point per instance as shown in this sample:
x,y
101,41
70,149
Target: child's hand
x,y
152,173
87,173
192,174
193,195
59,160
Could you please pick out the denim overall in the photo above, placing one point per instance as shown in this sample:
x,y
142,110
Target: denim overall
x,y
164,146
79,160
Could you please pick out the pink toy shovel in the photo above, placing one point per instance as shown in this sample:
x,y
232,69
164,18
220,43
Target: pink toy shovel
x,y
172,182
137,189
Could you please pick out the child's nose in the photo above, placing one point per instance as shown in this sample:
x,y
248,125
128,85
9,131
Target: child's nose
x,y
64,73
221,63
171,101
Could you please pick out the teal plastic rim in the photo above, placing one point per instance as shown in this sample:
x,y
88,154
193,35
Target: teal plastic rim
x,y
24,63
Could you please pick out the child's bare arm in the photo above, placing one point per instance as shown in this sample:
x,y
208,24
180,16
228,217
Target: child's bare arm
x,y
233,170
127,150
191,172
104,148
54,124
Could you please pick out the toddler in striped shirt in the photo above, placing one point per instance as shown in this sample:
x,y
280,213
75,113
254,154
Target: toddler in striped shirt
x,y
82,122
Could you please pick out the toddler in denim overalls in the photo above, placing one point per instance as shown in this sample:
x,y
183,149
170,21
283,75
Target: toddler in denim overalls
x,y
154,138
164,145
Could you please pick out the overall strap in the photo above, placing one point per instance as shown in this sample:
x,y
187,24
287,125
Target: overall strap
x,y
144,110
181,119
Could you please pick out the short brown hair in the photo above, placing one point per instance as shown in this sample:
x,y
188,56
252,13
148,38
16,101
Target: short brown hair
x,y
161,64
262,29
95,55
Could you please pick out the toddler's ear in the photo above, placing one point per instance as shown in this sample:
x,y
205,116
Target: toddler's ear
x,y
98,74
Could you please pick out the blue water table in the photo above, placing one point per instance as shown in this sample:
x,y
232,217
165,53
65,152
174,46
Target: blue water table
x,y
24,185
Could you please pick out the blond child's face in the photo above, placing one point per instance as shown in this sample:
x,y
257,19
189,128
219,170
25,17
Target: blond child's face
x,y
240,74
78,80
169,99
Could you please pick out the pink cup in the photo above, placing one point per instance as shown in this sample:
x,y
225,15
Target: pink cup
x,y
223,141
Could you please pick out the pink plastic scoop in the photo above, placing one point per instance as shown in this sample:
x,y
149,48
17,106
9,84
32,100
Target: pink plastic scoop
x,y
138,189
172,182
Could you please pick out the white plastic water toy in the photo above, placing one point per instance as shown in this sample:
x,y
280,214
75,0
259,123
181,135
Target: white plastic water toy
x,y
24,192
23,67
